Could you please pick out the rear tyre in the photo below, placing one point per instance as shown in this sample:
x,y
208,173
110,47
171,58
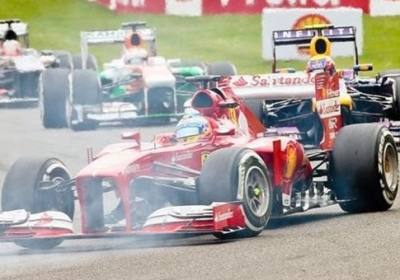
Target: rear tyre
x,y
91,62
64,60
365,172
223,68
257,108
85,90
21,190
238,174
29,84
53,94
160,101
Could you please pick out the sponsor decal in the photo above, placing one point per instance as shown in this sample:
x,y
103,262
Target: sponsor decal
x,y
328,107
133,168
302,3
291,159
133,3
257,6
285,199
219,217
302,22
274,80
142,6
102,35
241,82
179,157
317,64
183,7
45,219
332,123
287,3
225,3
204,156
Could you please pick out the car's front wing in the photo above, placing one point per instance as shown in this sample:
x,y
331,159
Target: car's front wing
x,y
177,220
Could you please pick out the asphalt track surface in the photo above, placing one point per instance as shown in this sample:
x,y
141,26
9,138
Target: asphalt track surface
x,y
319,244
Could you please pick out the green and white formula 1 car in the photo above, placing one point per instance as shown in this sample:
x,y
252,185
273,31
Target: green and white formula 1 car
x,y
140,87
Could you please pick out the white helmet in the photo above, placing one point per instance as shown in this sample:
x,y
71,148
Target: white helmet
x,y
135,56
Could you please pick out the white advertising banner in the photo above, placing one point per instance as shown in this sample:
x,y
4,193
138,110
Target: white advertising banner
x,y
286,19
384,7
184,7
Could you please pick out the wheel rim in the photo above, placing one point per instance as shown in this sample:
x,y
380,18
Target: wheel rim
x,y
390,167
257,190
57,175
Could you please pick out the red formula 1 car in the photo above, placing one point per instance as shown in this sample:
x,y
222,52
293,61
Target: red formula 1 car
x,y
221,172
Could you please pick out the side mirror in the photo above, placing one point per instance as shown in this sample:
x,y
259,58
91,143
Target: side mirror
x,y
228,104
285,70
363,67
131,135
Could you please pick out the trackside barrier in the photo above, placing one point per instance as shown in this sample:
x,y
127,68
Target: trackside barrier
x,y
207,7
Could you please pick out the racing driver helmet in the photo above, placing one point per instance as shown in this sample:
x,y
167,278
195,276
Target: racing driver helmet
x,y
135,56
11,48
193,127
320,51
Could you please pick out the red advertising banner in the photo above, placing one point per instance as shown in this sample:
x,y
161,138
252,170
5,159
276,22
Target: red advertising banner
x,y
206,7
135,6
256,6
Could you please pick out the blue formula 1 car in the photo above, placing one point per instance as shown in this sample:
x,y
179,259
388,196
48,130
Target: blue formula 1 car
x,y
288,94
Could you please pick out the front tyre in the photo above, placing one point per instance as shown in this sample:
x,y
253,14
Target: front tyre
x,y
21,190
365,168
238,174
85,91
53,94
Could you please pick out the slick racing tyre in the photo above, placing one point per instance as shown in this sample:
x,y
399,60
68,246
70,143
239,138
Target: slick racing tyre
x,y
160,101
85,90
223,68
365,172
91,62
64,60
29,84
21,190
238,174
257,108
53,94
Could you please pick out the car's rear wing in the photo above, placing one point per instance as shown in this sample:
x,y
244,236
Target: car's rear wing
x,y
21,29
304,36
277,86
115,36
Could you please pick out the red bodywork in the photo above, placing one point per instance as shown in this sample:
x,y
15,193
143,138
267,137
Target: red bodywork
x,y
233,125
124,162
